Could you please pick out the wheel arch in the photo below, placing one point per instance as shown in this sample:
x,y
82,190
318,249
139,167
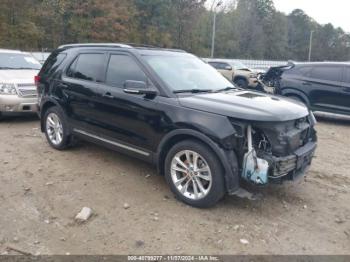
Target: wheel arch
x,y
227,158
44,107
288,92
235,78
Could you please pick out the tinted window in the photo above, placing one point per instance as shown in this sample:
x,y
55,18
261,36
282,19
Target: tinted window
x,y
71,69
53,63
328,73
87,67
122,68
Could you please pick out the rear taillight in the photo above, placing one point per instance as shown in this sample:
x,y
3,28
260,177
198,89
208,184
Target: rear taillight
x,y
36,80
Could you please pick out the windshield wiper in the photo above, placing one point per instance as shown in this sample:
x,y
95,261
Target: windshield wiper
x,y
5,67
227,89
29,68
18,68
193,91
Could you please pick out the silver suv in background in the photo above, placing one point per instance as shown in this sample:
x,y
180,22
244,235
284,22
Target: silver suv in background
x,y
18,92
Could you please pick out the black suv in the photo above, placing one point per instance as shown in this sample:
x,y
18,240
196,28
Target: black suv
x,y
321,86
170,108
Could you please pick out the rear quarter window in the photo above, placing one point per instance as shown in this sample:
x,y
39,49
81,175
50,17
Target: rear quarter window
x,y
87,67
52,63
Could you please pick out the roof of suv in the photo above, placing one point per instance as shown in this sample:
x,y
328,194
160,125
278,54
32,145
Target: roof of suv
x,y
119,45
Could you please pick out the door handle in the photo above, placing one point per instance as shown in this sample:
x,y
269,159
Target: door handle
x,y
108,95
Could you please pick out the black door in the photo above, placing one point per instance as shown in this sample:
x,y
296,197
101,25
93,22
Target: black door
x,y
126,120
80,87
325,88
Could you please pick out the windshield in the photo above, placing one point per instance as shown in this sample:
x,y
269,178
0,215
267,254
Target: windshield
x,y
187,72
18,61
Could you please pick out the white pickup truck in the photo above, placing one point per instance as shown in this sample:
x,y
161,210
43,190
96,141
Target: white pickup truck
x,y
18,93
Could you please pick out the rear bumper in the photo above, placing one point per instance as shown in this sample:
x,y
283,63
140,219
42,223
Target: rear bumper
x,y
14,104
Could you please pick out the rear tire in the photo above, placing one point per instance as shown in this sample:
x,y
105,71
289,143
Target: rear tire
x,y
56,128
194,174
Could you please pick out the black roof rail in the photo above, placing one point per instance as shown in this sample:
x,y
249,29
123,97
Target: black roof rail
x,y
135,45
117,45
94,45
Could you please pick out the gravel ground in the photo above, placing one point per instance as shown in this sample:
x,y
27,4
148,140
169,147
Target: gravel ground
x,y
41,191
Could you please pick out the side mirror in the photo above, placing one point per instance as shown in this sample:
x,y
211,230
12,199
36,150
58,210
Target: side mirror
x,y
228,68
138,88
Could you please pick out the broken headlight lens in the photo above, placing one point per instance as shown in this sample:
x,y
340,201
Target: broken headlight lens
x,y
7,89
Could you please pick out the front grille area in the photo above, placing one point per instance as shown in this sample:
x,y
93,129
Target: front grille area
x,y
27,90
284,137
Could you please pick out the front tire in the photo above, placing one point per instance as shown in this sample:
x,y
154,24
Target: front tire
x,y
56,128
194,174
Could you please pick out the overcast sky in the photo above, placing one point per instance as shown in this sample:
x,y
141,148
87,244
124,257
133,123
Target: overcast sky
x,y
336,12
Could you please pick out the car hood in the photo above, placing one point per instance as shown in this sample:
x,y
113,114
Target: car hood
x,y
18,76
246,105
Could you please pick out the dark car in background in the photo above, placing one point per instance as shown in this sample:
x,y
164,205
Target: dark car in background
x,y
322,87
173,110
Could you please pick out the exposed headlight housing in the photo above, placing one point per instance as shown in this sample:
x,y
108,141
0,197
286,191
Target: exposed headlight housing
x,y
7,89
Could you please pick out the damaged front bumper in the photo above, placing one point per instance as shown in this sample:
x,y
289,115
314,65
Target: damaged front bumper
x,y
293,166
262,168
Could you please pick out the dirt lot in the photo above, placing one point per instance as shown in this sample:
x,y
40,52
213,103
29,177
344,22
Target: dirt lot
x,y
41,190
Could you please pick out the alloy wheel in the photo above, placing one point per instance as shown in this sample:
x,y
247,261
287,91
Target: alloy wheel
x,y
54,129
191,174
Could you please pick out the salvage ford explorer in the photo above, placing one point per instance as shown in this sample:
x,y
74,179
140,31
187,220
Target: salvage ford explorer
x,y
173,110
17,89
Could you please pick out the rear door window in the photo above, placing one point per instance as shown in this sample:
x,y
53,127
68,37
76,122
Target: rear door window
x,y
88,67
122,68
328,73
